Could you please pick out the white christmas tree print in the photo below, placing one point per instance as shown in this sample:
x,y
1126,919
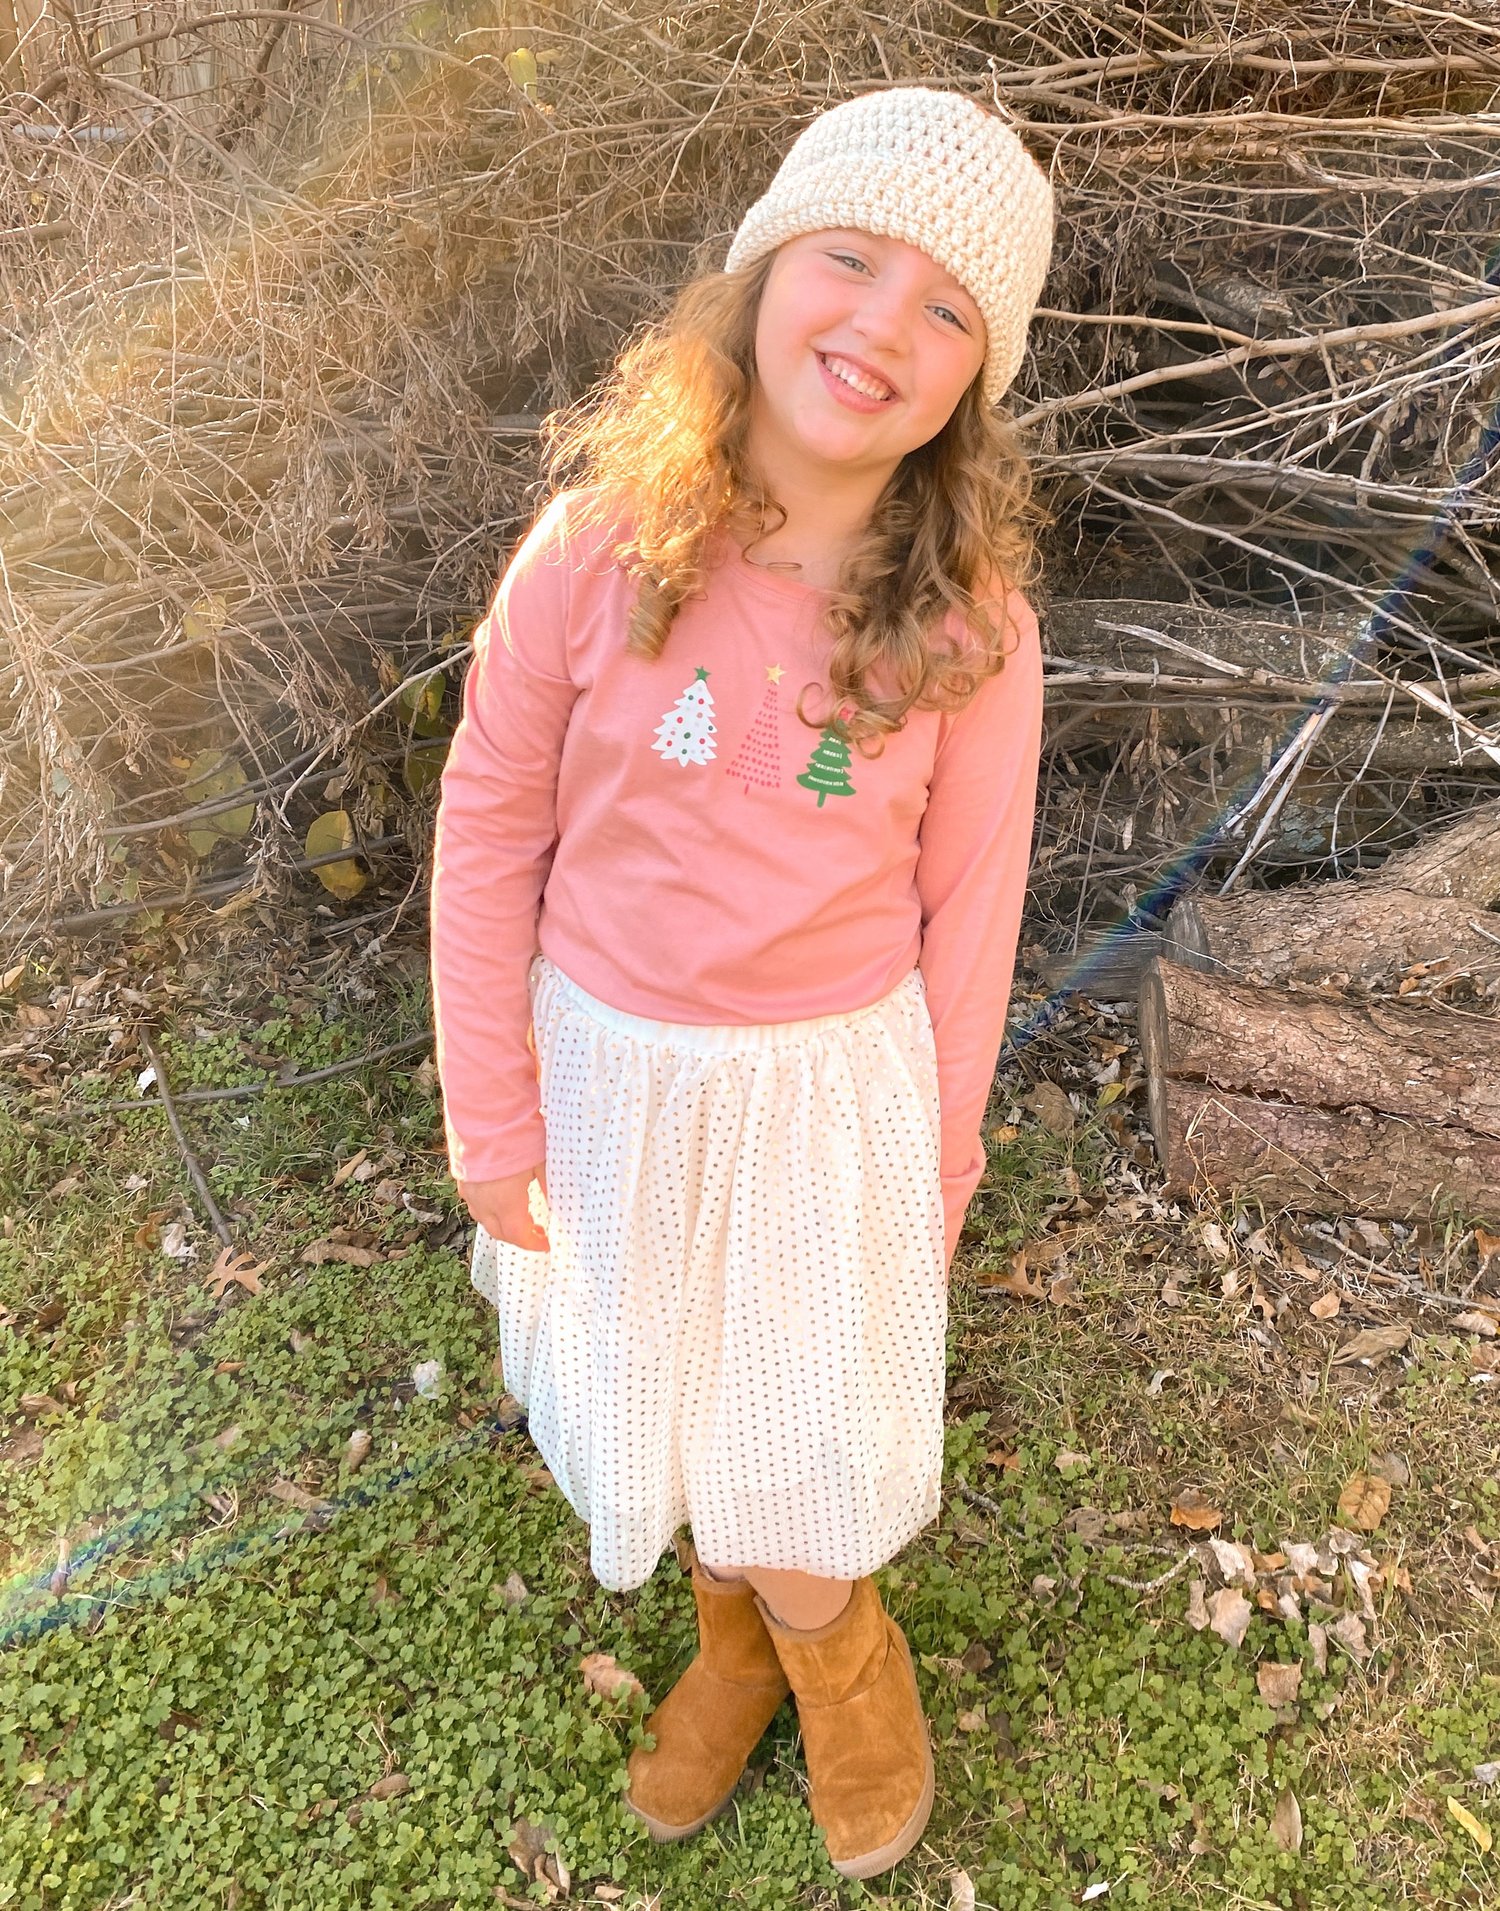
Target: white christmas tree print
x,y
758,759
686,733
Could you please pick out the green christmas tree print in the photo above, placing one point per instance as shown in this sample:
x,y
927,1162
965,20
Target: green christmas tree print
x,y
827,771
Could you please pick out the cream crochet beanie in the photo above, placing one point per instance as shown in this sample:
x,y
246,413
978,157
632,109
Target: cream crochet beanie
x,y
937,171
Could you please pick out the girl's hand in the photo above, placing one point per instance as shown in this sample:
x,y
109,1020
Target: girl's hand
x,y
501,1208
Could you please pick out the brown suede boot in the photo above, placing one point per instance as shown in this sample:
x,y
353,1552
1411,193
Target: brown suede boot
x,y
712,1719
869,1760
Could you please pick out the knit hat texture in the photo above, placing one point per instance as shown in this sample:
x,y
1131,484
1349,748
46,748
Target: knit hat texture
x,y
935,170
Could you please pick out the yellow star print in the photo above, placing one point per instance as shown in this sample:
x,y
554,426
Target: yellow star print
x,y
774,672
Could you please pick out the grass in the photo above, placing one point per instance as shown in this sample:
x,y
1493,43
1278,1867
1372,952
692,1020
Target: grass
x,y
263,1678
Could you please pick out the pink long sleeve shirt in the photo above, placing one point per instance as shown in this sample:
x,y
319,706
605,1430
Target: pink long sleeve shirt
x,y
678,841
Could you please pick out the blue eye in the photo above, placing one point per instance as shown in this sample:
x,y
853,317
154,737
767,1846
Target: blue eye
x,y
850,258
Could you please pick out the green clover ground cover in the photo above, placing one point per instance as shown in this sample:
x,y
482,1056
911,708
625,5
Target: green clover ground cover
x,y
267,1678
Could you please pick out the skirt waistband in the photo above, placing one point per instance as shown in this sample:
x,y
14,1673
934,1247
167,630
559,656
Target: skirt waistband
x,y
724,1038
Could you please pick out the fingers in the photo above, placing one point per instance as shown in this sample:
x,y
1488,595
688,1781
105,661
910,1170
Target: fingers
x,y
541,1233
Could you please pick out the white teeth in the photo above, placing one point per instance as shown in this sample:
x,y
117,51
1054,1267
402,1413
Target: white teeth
x,y
845,372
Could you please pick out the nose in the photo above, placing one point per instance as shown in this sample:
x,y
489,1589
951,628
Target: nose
x,y
884,317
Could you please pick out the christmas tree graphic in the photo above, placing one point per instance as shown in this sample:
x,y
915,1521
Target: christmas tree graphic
x,y
758,759
827,771
686,733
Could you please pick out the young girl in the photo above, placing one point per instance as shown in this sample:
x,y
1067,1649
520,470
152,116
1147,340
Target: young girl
x,y
730,861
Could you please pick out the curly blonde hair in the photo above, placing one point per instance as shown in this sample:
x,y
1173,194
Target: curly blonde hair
x,y
660,446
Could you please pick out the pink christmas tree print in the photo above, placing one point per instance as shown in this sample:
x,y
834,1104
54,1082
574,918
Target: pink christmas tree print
x,y
686,733
758,759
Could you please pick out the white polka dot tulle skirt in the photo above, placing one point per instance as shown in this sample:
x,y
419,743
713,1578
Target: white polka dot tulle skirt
x,y
740,1322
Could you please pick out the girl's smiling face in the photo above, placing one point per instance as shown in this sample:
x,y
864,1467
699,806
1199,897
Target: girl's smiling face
x,y
863,347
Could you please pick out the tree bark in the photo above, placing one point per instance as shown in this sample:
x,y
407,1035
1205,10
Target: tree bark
x,y
1334,933
1224,671
1322,1160
1321,1051
1429,903
1318,1103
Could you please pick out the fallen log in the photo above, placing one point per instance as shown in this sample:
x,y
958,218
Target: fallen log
x,y
1321,1051
1187,640
1311,1102
1432,903
1326,1161
1373,938
1218,676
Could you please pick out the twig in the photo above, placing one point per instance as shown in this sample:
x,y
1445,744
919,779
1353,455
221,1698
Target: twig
x,y
1180,1561
243,1090
202,892
220,1225
1414,1290
1149,1585
1294,347
1286,771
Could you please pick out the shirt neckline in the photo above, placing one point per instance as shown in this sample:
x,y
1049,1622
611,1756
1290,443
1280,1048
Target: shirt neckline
x,y
771,583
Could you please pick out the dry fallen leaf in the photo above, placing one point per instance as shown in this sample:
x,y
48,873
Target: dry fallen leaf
x,y
1229,1614
1279,1684
972,1721
1063,1292
346,1168
1286,1822
1365,1501
1197,1612
343,1251
529,1854
1487,1244
1373,1344
1479,1832
1325,1306
391,1786
610,1681
1192,1510
238,1268
1478,1320
291,1494
960,1891
1014,1281
1236,1563
1051,1106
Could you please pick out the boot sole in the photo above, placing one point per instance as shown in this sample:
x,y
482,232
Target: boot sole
x,y
872,1863
666,1834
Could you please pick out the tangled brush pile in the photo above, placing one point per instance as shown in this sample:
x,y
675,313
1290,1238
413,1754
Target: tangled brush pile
x,y
283,300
